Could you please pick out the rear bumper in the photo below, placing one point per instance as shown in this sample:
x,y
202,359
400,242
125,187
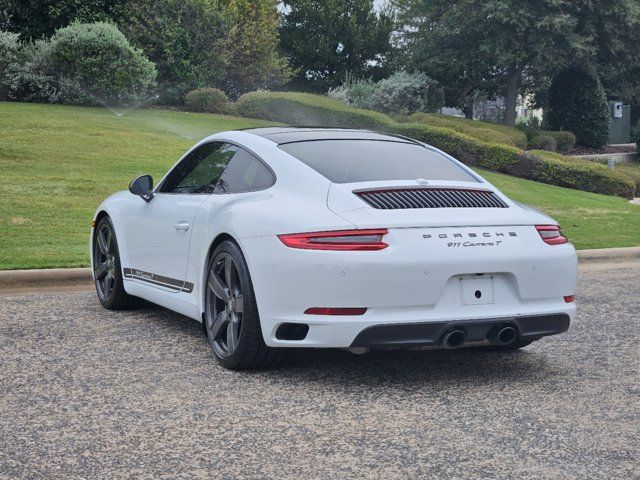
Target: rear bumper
x,y
477,331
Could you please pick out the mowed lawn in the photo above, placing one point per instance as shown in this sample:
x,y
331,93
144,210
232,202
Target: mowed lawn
x,y
57,163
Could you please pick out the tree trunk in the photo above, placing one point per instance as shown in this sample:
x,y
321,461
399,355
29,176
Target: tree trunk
x,y
467,109
514,74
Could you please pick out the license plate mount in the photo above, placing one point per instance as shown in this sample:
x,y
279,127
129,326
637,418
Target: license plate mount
x,y
476,291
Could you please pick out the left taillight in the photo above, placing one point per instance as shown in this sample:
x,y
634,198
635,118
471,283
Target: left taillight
x,y
353,240
551,234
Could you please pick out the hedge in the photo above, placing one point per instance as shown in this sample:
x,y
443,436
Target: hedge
x,y
469,150
543,142
542,166
539,165
305,109
631,170
576,173
488,132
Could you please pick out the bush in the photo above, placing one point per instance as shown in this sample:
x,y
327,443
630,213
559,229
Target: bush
x,y
636,135
580,174
401,94
10,59
543,142
578,104
92,64
306,109
565,141
405,93
488,132
356,93
209,100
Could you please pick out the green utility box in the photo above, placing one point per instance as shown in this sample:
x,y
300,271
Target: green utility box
x,y
619,123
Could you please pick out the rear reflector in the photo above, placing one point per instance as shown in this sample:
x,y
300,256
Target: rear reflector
x,y
334,311
569,299
551,234
337,240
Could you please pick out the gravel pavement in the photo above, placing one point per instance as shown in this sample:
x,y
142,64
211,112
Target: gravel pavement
x,y
87,393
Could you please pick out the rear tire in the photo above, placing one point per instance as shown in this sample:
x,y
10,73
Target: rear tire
x,y
107,270
232,322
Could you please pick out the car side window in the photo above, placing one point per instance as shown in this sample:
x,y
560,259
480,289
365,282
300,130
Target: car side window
x,y
245,173
201,170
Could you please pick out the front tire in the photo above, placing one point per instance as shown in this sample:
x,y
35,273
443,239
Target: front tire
x,y
232,322
107,270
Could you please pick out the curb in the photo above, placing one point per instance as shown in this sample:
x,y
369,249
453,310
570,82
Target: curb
x,y
71,277
44,278
609,255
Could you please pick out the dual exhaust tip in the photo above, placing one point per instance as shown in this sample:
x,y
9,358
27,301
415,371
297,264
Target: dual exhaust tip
x,y
501,335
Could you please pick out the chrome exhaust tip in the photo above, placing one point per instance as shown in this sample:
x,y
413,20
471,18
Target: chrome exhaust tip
x,y
454,339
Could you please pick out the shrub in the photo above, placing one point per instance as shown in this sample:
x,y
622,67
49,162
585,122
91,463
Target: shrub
x,y
95,64
306,109
401,94
580,174
565,141
578,103
405,93
636,135
356,93
489,132
542,141
209,100
12,57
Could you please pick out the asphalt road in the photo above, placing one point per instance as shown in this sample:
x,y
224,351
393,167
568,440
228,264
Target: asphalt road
x,y
95,394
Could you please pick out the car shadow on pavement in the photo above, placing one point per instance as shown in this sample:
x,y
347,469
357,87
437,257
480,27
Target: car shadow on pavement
x,y
395,367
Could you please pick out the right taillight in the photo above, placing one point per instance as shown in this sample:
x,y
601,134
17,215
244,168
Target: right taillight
x,y
551,234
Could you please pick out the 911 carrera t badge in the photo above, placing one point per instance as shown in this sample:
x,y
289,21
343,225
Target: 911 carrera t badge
x,y
479,238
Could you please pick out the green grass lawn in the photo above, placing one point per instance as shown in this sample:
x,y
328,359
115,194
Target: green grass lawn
x,y
57,163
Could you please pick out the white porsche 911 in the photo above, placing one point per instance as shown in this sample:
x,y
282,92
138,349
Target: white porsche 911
x,y
305,237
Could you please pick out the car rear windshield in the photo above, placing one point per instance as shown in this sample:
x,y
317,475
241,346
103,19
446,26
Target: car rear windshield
x,y
347,161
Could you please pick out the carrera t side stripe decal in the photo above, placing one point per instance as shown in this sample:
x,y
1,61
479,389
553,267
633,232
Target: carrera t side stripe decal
x,y
155,279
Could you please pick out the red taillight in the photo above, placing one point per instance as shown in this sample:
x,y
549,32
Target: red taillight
x,y
551,234
337,240
334,311
569,299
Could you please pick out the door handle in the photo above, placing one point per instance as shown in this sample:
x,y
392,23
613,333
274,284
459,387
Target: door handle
x,y
182,226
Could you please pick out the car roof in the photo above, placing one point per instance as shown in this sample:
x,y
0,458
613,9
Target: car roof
x,y
282,135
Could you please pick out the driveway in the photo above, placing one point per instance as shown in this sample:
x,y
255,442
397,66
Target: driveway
x,y
95,394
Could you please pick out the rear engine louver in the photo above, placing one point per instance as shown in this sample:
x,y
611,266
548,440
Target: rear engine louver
x,y
395,199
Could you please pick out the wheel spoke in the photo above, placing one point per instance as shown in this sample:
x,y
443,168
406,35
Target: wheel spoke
x,y
232,336
109,240
228,272
239,304
108,283
101,270
218,323
217,285
102,242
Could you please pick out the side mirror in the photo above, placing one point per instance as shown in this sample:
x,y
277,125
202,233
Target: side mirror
x,y
143,187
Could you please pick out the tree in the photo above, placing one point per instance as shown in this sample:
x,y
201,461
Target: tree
x,y
35,19
578,104
491,45
186,39
611,33
326,40
252,45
